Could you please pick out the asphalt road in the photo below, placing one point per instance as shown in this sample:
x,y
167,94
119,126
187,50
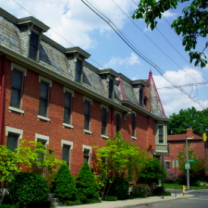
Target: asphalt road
x,y
200,200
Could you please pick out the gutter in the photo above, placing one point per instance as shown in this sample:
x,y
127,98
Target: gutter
x,y
2,97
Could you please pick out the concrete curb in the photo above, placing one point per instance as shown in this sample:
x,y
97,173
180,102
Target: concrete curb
x,y
131,202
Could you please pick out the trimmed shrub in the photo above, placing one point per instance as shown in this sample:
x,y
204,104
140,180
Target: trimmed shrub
x,y
27,189
141,190
8,206
110,198
119,188
64,185
158,191
87,188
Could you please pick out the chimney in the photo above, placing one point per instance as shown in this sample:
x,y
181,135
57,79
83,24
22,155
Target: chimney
x,y
189,133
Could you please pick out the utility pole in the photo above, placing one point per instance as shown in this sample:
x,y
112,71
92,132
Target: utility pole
x,y
187,168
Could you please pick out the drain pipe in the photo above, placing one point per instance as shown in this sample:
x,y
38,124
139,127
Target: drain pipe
x,y
2,75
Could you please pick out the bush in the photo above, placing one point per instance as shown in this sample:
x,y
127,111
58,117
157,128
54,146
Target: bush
x,y
28,189
110,198
158,191
8,206
64,185
72,203
171,178
86,185
167,193
141,190
119,188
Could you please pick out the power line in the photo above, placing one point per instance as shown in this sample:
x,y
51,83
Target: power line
x,y
119,33
56,32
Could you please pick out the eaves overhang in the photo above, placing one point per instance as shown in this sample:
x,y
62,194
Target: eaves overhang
x,y
35,66
77,50
184,140
142,110
108,71
140,82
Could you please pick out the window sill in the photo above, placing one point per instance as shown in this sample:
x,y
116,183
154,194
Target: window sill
x,y
87,131
104,136
65,125
134,138
16,110
43,118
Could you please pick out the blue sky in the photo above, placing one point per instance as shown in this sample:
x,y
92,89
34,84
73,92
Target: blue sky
x,y
77,24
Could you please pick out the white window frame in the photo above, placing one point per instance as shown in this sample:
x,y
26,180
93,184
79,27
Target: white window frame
x,y
87,148
19,132
42,137
41,78
164,133
24,71
68,143
134,137
104,136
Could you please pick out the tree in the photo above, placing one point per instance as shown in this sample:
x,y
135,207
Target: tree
x,y
197,120
192,25
118,158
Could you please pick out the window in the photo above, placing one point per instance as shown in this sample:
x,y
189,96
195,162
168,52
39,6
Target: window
x,y
104,121
16,94
86,155
12,141
87,114
160,134
141,96
66,154
133,117
78,71
118,122
67,108
110,89
167,166
34,42
13,136
43,105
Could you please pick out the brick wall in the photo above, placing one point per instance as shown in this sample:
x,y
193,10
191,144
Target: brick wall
x,y
145,126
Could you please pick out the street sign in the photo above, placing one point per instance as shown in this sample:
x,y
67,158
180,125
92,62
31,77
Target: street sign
x,y
192,160
175,163
187,166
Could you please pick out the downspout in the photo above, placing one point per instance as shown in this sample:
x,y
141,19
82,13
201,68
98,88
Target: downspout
x,y
2,97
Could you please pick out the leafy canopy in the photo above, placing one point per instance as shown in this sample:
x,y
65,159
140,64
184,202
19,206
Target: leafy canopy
x,y
197,120
192,25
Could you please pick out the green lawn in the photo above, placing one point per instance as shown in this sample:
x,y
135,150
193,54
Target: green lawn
x,y
172,186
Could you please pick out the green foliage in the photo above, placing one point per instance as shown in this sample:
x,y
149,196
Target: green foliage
x,y
64,185
151,172
110,198
38,159
86,185
8,206
119,188
28,189
141,190
192,25
118,157
72,203
186,118
158,191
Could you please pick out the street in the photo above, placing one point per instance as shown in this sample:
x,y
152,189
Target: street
x,y
200,200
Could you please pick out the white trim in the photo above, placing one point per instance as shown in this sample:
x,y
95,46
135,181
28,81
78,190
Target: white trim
x,y
41,78
16,110
88,99
69,90
104,136
42,137
116,112
68,125
15,131
86,147
134,138
67,143
43,118
103,106
19,68
87,131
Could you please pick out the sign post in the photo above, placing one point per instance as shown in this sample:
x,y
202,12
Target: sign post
x,y
187,165
175,165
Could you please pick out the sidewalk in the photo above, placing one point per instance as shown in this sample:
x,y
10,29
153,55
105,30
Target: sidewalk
x,y
130,202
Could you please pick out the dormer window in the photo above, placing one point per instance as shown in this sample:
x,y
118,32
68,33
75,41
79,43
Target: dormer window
x,y
141,97
110,89
34,46
78,71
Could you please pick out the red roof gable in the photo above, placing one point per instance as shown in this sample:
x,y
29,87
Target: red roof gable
x,y
176,137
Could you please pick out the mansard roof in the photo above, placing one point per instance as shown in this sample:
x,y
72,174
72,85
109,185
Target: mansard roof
x,y
55,62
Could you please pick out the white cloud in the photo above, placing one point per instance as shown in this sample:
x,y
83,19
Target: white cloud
x,y
168,14
72,19
173,100
116,61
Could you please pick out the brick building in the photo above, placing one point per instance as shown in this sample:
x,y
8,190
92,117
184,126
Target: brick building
x,y
52,94
176,144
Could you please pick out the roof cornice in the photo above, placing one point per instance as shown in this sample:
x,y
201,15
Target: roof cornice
x,y
139,82
109,71
78,50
